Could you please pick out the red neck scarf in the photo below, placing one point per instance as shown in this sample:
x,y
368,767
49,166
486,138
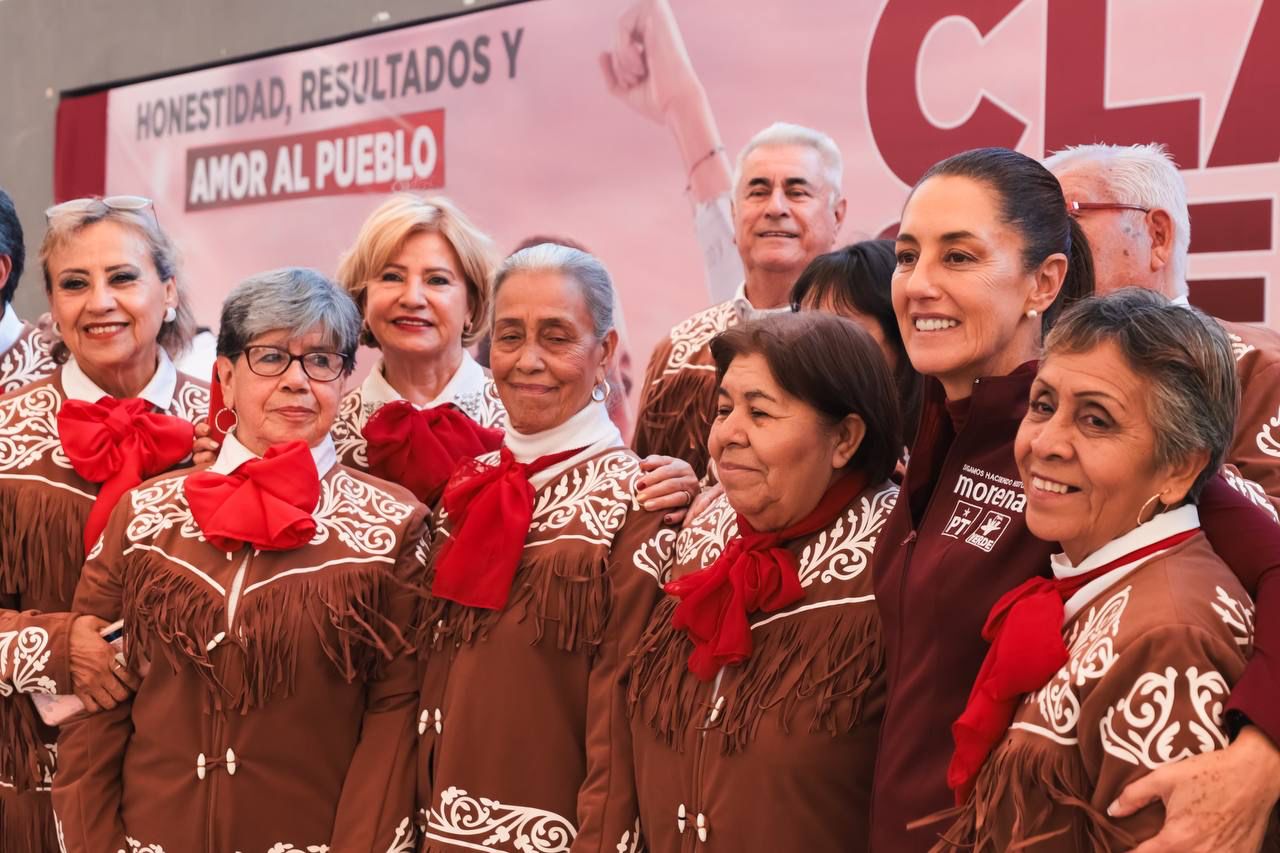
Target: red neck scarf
x,y
490,508
1024,629
266,503
119,443
420,450
755,572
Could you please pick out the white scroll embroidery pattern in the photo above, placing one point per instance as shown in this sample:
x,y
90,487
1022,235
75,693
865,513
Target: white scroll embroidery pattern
x,y
490,824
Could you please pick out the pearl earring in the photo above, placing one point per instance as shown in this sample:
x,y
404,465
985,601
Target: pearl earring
x,y
1032,313
170,314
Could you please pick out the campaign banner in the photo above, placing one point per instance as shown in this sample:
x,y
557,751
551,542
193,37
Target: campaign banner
x,y
561,118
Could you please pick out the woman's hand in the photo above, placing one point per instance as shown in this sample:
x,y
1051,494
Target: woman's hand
x,y
1218,802
668,484
99,676
204,450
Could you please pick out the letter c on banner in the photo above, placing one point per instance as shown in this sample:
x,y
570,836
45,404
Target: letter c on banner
x,y
907,140
423,151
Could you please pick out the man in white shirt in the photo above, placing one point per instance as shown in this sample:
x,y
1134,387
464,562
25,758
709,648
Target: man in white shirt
x,y
24,353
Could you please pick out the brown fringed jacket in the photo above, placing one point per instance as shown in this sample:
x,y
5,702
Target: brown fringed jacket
x,y
523,737
1154,653
27,360
1255,448
44,505
470,390
274,712
777,753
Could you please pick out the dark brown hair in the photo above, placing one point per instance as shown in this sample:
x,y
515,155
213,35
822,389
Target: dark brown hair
x,y
833,365
859,278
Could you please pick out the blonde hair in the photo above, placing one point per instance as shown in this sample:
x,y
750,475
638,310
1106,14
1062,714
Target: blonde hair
x,y
66,221
395,221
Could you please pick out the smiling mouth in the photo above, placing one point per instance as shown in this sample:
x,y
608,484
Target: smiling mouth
x,y
412,323
787,234
97,330
1052,486
934,324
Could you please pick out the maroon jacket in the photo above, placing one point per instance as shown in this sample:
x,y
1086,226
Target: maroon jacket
x,y
956,542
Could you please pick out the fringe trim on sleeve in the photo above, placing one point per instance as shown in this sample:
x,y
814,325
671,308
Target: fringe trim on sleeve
x,y
23,755
566,593
343,606
26,822
834,664
675,417
42,543
1039,789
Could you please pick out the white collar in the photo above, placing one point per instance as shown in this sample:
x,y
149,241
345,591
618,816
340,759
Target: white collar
x,y
590,429
233,454
747,311
10,328
469,378
1181,300
158,392
1163,526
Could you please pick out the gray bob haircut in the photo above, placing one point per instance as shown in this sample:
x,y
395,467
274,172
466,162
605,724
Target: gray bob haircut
x,y
294,299
783,133
597,286
1185,358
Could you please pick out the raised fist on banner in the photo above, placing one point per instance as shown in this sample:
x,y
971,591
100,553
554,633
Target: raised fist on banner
x,y
648,67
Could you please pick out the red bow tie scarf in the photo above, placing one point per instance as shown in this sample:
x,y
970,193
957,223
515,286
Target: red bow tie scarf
x,y
266,503
755,573
420,450
490,509
118,444
1027,649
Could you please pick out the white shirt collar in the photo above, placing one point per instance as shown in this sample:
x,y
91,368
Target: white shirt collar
x,y
747,311
10,328
590,429
158,392
1163,526
1181,300
467,379
233,454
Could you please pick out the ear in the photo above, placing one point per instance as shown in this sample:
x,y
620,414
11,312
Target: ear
x,y
6,268
1180,476
226,372
849,434
842,206
608,346
1047,281
733,215
1160,229
170,293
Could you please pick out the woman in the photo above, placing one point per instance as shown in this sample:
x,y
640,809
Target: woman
x,y
1131,413
986,256
855,282
114,412
265,603
541,577
757,689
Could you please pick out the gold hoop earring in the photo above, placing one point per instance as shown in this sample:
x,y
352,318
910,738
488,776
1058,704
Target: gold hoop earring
x,y
1143,511
600,393
235,421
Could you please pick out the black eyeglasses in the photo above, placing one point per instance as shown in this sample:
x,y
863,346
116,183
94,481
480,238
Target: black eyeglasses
x,y
135,203
1075,208
272,361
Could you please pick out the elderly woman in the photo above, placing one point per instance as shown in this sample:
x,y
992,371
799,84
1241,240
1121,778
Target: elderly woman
x,y
1128,652
541,577
987,254
264,603
757,689
114,412
856,282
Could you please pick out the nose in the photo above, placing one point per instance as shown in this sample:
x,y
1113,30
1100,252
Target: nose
x,y
414,292
917,283
1051,439
529,359
778,205
731,429
101,300
295,378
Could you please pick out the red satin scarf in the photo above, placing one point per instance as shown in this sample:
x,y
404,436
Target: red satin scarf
x,y
420,450
266,503
754,573
1024,629
490,508
119,443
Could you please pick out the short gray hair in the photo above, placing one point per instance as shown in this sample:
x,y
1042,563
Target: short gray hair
x,y
783,133
1184,355
295,299
1144,175
597,286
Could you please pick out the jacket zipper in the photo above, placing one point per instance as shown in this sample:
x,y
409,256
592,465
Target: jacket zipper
x,y
215,740
699,763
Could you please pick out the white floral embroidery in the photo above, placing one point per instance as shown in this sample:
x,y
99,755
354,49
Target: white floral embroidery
x,y
353,510
136,846
29,429
1091,650
1139,730
23,657
286,847
190,402
1250,490
27,361
654,556
1238,347
158,507
597,495
57,828
1266,439
96,550
347,438
1236,615
495,826
703,541
405,838
690,336
844,552
631,841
